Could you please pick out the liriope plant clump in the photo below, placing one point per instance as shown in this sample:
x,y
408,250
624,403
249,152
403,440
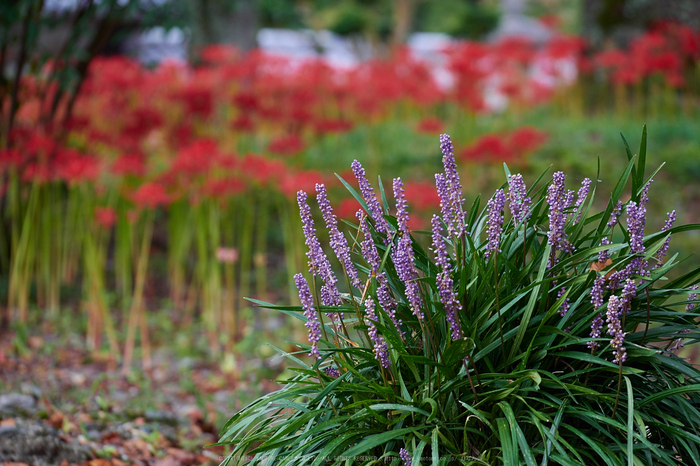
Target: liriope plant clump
x,y
532,331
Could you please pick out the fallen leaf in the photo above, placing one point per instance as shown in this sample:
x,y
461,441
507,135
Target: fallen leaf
x,y
8,423
599,266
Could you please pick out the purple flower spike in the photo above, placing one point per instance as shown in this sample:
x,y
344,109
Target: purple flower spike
x,y
405,457
456,222
381,351
615,329
375,209
596,327
387,302
402,254
337,240
629,291
495,222
604,255
661,253
691,297
331,372
312,323
565,306
597,292
318,262
369,250
445,285
559,200
636,220
581,196
615,214
518,200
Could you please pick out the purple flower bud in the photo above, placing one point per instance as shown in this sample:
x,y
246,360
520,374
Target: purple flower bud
x,y
565,306
312,323
596,327
387,301
331,372
456,220
402,253
495,222
381,351
691,297
615,214
405,457
518,200
369,250
559,200
337,240
597,292
661,253
581,196
636,220
318,262
604,255
445,285
615,329
375,209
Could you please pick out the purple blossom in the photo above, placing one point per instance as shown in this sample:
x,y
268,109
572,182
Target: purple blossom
x,y
387,302
495,222
629,291
445,285
565,305
312,323
338,242
615,329
581,196
369,250
381,351
636,220
318,262
597,292
559,200
402,254
375,209
691,297
604,255
596,327
405,457
644,198
615,214
456,221
518,200
331,372
446,208
661,253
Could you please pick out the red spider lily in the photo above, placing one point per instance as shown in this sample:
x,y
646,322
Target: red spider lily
x,y
422,195
325,126
150,195
489,148
262,170
430,125
74,167
130,164
526,139
10,158
290,144
305,180
196,158
243,123
218,54
106,217
223,189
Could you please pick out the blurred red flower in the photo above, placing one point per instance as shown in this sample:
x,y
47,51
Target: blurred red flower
x,y
290,144
150,195
430,125
105,217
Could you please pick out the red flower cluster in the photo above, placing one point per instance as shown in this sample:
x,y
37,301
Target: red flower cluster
x,y
509,148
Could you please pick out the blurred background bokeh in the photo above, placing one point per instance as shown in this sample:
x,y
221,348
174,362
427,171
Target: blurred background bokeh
x,y
151,150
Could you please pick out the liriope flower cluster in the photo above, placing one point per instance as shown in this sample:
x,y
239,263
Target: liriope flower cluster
x,y
612,288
